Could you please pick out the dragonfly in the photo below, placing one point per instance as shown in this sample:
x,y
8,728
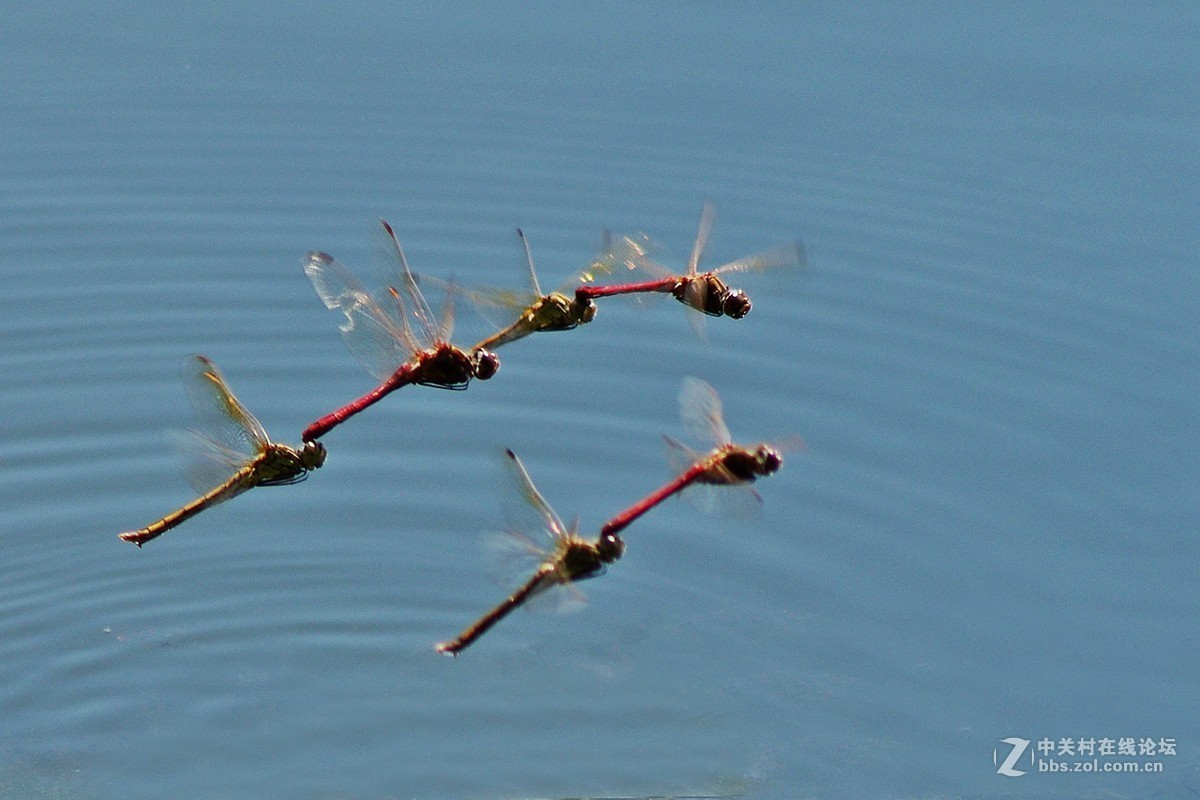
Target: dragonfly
x,y
705,292
537,311
393,333
229,450
566,558
727,464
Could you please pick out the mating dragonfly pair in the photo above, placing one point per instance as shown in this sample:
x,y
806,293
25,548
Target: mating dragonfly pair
x,y
567,558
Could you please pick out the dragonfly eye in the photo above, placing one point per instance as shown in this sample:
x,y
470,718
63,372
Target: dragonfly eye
x,y
611,547
736,304
313,455
486,363
584,311
769,460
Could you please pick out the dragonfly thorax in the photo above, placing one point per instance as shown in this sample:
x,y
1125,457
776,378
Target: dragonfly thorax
x,y
280,464
579,559
557,312
706,293
446,367
745,465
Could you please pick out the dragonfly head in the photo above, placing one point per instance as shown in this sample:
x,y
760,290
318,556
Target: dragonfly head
x,y
736,304
610,547
484,363
583,310
767,460
312,455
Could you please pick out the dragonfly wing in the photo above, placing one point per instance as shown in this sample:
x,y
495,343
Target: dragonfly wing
x,y
791,254
336,285
700,412
731,501
527,512
377,335
695,297
625,254
374,331
484,296
206,463
495,308
446,324
680,457
419,308
512,555
699,327
533,279
555,597
219,415
708,215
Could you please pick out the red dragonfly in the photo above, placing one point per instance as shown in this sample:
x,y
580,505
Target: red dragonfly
x,y
565,558
706,292
379,333
230,451
727,464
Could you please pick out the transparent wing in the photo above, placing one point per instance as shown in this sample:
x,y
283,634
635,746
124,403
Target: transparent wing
x,y
513,555
557,598
789,444
708,215
527,512
737,501
376,332
446,324
680,457
700,412
419,309
695,296
483,296
337,286
492,296
206,463
625,254
791,255
219,415
533,280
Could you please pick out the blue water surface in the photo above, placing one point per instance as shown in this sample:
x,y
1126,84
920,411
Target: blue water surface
x,y
991,357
